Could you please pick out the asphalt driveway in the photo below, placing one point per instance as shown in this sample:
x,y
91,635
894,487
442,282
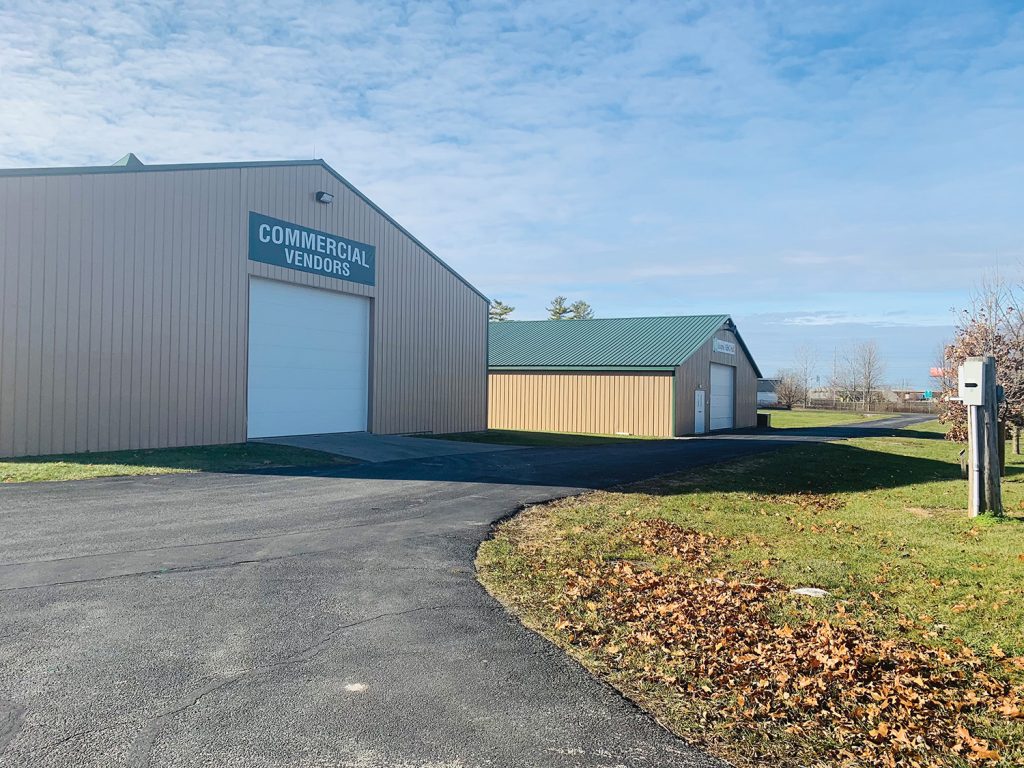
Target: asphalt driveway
x,y
325,618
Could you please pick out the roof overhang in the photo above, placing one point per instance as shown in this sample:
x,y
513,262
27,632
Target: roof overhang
x,y
595,368
731,326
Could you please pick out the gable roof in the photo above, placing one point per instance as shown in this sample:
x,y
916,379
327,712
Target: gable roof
x,y
130,163
604,343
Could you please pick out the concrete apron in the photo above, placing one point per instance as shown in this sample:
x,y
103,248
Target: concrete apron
x,y
376,448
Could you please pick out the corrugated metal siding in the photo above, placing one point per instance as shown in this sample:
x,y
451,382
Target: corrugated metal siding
x,y
124,315
594,402
695,374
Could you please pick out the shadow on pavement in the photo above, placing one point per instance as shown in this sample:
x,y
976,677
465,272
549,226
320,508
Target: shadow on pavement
x,y
604,466
833,433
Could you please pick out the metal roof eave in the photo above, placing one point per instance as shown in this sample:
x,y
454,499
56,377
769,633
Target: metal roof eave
x,y
91,169
404,231
608,368
746,350
75,170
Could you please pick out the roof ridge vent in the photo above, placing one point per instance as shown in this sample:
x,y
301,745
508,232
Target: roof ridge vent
x,y
130,161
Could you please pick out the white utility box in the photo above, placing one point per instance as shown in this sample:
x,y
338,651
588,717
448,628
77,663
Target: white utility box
x,y
971,384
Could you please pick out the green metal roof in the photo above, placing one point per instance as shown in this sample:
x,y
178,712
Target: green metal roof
x,y
603,343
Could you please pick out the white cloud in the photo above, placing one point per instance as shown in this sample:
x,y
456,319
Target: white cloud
x,y
654,156
878,320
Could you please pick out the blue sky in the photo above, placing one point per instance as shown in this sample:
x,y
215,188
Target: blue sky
x,y
825,172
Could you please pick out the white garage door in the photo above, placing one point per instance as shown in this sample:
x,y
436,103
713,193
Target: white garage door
x,y
723,396
308,360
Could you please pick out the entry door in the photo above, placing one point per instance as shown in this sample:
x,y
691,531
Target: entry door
x,y
723,396
698,412
309,353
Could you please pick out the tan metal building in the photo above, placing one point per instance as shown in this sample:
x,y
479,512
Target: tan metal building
x,y
148,306
654,376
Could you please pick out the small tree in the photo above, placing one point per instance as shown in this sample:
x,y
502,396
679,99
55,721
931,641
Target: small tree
x,y
942,374
789,389
992,325
581,311
558,309
861,373
804,367
499,311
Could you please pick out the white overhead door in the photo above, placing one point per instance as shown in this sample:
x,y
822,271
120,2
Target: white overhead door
x,y
309,353
723,396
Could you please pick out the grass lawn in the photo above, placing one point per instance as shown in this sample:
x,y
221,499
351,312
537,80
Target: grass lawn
x,y
550,439
207,458
799,419
677,591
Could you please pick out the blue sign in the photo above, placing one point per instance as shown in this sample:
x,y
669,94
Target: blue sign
x,y
283,244
928,395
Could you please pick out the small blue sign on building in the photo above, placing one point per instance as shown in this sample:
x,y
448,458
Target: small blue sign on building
x,y
283,244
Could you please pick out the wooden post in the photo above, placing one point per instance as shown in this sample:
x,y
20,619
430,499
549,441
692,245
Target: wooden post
x,y
990,443
1016,440
978,385
1002,448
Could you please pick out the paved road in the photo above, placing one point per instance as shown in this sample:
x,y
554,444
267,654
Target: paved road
x,y
305,619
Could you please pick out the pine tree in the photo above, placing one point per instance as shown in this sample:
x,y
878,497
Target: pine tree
x,y
558,309
580,310
499,311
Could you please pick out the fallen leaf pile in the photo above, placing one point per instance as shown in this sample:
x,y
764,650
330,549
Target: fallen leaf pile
x,y
804,500
660,537
829,687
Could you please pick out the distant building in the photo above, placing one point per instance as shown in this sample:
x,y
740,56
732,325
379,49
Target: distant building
x,y
657,376
909,395
766,396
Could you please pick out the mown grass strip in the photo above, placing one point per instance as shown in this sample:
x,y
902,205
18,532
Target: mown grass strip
x,y
798,419
208,458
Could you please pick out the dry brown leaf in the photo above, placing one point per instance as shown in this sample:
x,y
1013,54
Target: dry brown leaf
x,y
880,701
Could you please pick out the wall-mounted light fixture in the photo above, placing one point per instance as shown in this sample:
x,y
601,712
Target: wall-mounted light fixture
x,y
324,197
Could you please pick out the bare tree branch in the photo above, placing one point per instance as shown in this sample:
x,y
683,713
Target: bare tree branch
x,y
789,388
805,367
859,374
993,324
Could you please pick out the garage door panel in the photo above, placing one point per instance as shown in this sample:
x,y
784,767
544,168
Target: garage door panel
x,y
282,394
308,360
298,336
723,396
297,363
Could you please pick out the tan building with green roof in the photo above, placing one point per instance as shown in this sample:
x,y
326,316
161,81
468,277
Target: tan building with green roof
x,y
652,376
